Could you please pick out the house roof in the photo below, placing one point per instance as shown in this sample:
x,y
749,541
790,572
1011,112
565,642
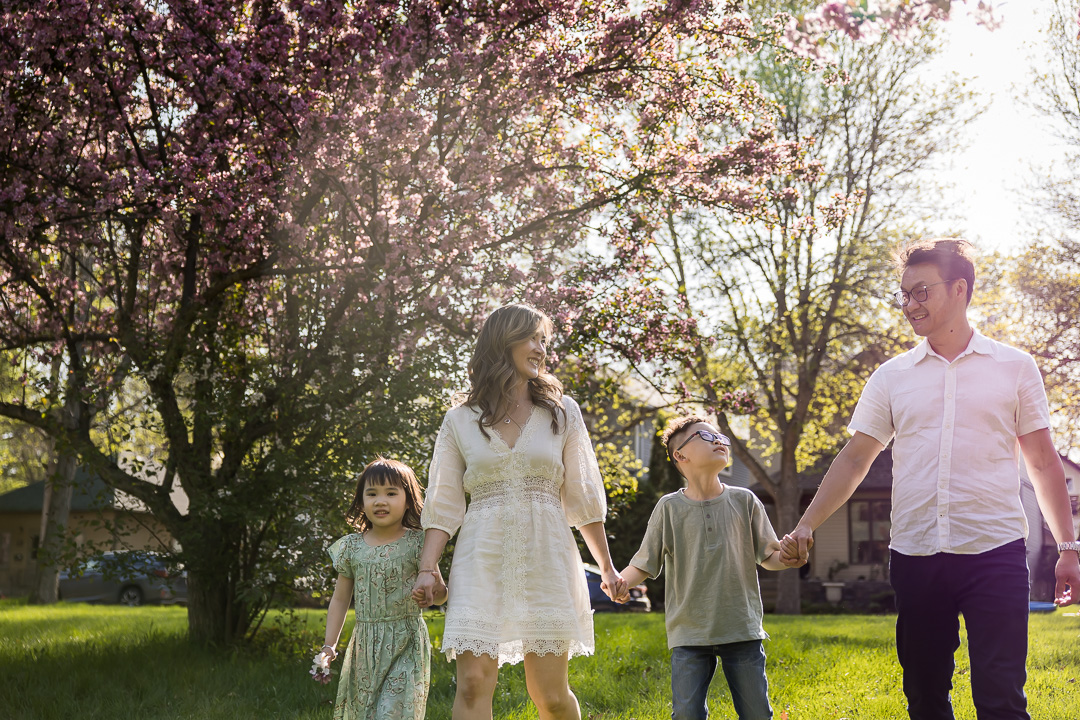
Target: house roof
x,y
90,493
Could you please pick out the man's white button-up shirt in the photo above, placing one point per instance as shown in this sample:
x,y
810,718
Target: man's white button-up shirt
x,y
956,483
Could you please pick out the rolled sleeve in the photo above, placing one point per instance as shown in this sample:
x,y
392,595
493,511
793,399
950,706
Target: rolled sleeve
x,y
444,504
583,496
1032,412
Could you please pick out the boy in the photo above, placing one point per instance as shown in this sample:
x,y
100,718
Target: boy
x,y
711,537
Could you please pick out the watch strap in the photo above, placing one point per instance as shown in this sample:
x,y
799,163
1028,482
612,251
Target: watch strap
x,y
1073,545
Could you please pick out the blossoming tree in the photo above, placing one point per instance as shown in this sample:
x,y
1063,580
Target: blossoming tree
x,y
253,235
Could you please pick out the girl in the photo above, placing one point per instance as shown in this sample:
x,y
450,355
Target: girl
x,y
387,664
518,593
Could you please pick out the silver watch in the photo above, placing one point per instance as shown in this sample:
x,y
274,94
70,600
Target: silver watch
x,y
1074,545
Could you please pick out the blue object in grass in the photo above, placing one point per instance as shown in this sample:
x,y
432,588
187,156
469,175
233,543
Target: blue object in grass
x,y
1043,607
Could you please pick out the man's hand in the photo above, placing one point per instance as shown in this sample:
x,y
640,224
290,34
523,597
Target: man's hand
x,y
795,546
1067,572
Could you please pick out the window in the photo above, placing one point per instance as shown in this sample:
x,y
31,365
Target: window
x,y
870,525
642,438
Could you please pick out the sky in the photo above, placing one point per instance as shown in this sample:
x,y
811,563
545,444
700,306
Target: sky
x,y
1010,144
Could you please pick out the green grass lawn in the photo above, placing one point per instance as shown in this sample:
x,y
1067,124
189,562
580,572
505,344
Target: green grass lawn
x,y
87,661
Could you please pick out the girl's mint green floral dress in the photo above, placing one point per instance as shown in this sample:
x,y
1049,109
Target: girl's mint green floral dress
x,y
387,665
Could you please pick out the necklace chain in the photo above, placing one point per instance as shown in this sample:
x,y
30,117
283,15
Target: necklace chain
x,y
510,418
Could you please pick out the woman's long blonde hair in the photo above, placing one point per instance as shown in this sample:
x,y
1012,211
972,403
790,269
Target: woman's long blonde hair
x,y
491,367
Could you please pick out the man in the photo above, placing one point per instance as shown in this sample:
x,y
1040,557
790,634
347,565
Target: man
x,y
956,407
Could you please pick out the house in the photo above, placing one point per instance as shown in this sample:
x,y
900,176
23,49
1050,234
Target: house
x,y
101,519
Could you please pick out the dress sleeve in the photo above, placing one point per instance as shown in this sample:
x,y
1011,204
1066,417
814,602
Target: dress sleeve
x,y
583,496
444,504
340,557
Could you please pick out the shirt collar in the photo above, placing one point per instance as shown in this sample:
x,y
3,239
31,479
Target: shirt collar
x,y
979,343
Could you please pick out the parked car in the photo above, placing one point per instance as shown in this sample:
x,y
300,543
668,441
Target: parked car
x,y
638,602
129,578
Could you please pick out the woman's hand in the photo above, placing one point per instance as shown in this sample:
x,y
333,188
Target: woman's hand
x,y
613,584
428,586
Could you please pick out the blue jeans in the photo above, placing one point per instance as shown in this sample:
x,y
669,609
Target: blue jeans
x,y
692,669
991,591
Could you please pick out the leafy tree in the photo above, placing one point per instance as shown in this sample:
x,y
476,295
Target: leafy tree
x,y
790,308
24,450
1047,274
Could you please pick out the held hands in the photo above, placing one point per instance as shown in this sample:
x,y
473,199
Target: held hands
x,y
795,547
428,587
614,586
623,598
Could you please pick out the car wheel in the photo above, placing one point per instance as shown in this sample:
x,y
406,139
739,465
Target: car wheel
x,y
131,596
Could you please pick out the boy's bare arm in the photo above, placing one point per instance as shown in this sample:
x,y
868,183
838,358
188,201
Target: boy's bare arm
x,y
773,561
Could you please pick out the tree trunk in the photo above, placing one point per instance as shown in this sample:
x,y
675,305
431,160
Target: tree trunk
x,y
788,597
215,617
55,512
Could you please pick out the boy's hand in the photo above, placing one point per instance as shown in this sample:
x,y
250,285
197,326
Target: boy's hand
x,y
613,585
795,547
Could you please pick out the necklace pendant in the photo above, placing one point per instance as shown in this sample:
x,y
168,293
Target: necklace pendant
x,y
506,421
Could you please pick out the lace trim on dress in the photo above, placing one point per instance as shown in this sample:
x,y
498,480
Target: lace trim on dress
x,y
512,653
476,632
533,488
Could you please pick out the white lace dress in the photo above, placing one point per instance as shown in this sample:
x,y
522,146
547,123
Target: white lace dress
x,y
516,582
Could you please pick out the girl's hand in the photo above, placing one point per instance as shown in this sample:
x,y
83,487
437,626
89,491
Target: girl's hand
x,y
429,585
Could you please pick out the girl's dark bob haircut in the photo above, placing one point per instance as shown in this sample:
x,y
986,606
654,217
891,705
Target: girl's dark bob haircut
x,y
384,471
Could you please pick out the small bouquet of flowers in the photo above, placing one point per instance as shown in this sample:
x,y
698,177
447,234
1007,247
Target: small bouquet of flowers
x,y
320,666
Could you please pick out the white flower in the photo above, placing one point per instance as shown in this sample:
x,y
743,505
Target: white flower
x,y
320,668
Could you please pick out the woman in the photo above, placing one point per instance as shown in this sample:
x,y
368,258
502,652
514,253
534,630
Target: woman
x,y
520,449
